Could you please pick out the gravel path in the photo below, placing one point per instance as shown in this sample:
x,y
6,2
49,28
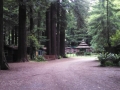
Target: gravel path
x,y
78,73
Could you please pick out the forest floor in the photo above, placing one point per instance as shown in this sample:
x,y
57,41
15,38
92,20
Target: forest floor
x,y
74,73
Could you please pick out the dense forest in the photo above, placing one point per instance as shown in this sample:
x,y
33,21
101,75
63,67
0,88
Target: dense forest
x,y
103,23
28,25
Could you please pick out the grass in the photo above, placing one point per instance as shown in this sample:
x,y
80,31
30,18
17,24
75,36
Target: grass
x,y
74,55
71,55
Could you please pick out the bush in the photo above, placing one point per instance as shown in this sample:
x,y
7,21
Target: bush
x,y
80,53
109,59
33,42
119,63
102,58
109,63
87,53
115,39
39,58
59,57
65,56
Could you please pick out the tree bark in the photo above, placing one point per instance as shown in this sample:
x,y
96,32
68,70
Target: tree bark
x,y
62,32
31,19
16,35
53,29
108,31
58,27
13,35
38,26
3,62
32,51
48,31
9,36
22,44
4,36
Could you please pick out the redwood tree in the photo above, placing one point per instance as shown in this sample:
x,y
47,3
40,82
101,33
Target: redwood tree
x,y
38,26
16,35
53,28
63,25
32,51
22,44
13,35
58,27
48,31
3,63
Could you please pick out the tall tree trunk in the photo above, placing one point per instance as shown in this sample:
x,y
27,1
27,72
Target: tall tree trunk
x,y
31,19
22,44
32,48
3,63
62,32
38,25
58,27
4,36
53,28
108,31
16,35
9,39
48,31
13,35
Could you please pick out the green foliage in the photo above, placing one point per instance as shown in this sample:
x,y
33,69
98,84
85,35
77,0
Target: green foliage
x,y
87,53
39,58
115,39
119,63
109,59
80,53
103,23
33,41
109,63
11,10
102,58
76,30
83,53
59,57
65,56
80,9
111,56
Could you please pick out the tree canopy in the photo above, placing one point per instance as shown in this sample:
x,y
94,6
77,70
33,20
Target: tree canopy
x,y
103,22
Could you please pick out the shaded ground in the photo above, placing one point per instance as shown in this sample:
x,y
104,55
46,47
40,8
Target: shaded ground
x,y
78,73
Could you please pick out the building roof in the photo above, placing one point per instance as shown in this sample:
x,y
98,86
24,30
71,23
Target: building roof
x,y
83,45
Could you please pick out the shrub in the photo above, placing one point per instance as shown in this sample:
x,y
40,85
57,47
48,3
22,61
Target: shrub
x,y
109,63
119,63
34,42
115,39
65,56
102,58
39,58
117,59
109,59
80,53
87,53
59,57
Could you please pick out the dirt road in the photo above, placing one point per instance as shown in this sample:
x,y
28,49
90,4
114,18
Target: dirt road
x,y
78,73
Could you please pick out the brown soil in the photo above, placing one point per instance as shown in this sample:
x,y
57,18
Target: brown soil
x,y
78,73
